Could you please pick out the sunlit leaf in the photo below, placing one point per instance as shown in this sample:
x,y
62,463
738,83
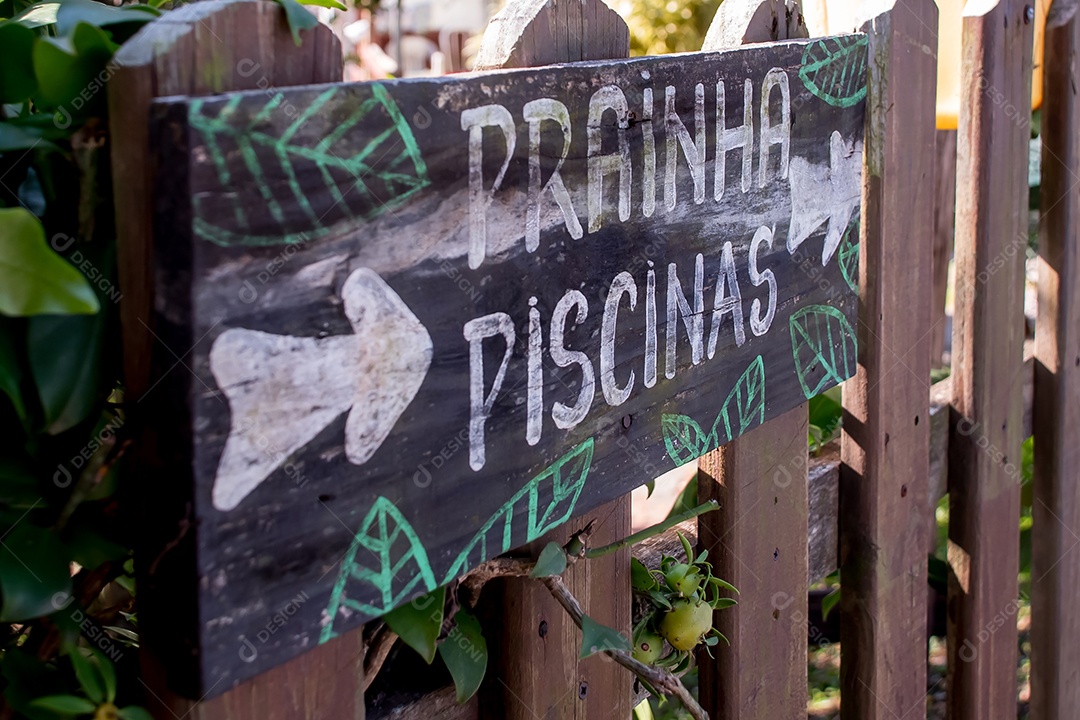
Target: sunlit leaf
x,y
34,280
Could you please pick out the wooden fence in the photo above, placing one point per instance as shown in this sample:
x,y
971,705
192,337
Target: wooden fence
x,y
867,503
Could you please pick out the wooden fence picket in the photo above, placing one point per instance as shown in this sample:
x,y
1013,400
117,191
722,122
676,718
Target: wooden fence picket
x,y
886,441
757,539
534,669
1055,572
987,358
944,229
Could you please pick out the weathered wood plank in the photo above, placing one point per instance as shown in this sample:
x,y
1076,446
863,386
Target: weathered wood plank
x,y
345,351
944,228
988,336
885,441
757,541
186,52
1055,571
536,670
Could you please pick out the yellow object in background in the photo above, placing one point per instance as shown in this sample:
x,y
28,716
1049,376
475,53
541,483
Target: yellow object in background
x,y
830,17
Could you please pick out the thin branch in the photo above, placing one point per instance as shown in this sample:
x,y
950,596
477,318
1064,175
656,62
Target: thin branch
x,y
660,679
376,654
649,532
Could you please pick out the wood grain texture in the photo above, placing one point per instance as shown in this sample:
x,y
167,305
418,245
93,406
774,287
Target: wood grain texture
x,y
988,337
944,229
886,441
279,287
1055,567
757,542
533,673
185,52
533,33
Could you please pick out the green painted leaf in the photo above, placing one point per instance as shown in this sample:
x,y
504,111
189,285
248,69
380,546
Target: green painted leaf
x,y
596,637
249,144
824,347
66,704
552,561
34,280
17,79
834,69
744,405
419,621
385,553
33,568
683,437
848,256
466,655
548,499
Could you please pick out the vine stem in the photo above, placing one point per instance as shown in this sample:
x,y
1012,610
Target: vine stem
x,y
649,532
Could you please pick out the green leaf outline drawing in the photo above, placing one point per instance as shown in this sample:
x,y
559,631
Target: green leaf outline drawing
x,y
383,578
823,349
848,255
566,489
213,127
746,399
684,439
834,69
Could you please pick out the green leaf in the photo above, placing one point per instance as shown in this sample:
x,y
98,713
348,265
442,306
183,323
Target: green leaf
x,y
552,561
33,568
67,704
38,15
848,256
298,18
834,69
17,79
73,12
400,567
134,712
466,655
687,499
72,71
325,3
65,360
640,578
419,622
826,414
88,676
829,602
90,548
824,347
724,603
11,372
16,137
683,437
34,280
598,638
744,405
18,484
108,675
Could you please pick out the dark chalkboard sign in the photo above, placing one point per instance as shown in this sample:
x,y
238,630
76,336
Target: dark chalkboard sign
x,y
424,322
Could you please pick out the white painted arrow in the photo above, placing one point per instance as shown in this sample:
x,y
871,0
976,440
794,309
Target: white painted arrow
x,y
820,194
284,390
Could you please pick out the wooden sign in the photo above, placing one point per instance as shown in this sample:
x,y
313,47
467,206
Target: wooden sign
x,y
423,322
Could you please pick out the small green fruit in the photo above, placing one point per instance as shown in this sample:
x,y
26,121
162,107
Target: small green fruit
x,y
686,623
647,647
